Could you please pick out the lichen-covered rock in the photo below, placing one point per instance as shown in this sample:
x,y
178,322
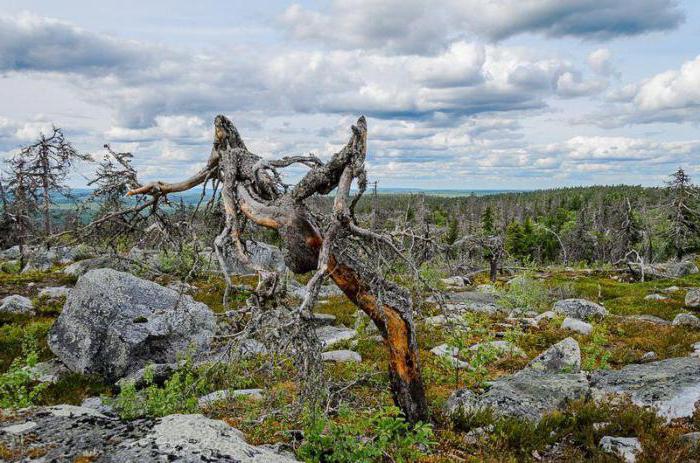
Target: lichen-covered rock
x,y
500,348
66,433
54,292
341,356
455,281
261,255
686,319
670,386
331,335
577,325
10,253
114,323
226,394
17,304
580,308
626,448
562,357
692,297
547,383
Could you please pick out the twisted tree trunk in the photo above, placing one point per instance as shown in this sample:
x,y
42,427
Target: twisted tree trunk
x,y
251,187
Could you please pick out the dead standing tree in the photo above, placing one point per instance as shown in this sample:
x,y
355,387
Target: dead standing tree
x,y
253,190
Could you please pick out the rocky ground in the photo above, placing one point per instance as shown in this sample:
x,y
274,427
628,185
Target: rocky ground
x,y
113,358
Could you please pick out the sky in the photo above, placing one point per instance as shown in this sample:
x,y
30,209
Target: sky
x,y
459,94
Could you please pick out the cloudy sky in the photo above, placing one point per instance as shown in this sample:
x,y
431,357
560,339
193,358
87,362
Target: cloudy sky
x,y
467,94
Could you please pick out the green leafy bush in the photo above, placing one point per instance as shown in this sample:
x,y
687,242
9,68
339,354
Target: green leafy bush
x,y
179,394
357,438
18,388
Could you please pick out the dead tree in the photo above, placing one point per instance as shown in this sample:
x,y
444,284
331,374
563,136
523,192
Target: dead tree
x,y
48,162
252,190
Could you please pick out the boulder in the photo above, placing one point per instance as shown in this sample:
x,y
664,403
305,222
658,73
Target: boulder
x,y
648,357
114,323
671,269
547,383
692,298
686,319
17,304
50,371
655,297
577,325
669,386
341,356
562,357
580,308
626,448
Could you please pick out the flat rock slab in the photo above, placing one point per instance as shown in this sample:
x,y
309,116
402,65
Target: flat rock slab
x,y
577,325
341,356
65,433
331,335
670,386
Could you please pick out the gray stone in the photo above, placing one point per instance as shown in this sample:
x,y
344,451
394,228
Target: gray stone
x,y
261,255
55,292
686,319
548,315
10,253
97,404
626,448
547,383
17,304
442,320
648,357
526,394
331,335
562,357
450,353
227,394
190,438
692,297
580,308
455,281
487,289
341,356
18,429
66,433
577,325
669,386
114,323
670,289
655,297
50,371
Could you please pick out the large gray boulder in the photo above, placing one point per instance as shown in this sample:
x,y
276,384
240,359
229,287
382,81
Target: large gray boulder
x,y
114,323
65,433
547,383
581,309
670,386
686,319
10,253
670,269
81,267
